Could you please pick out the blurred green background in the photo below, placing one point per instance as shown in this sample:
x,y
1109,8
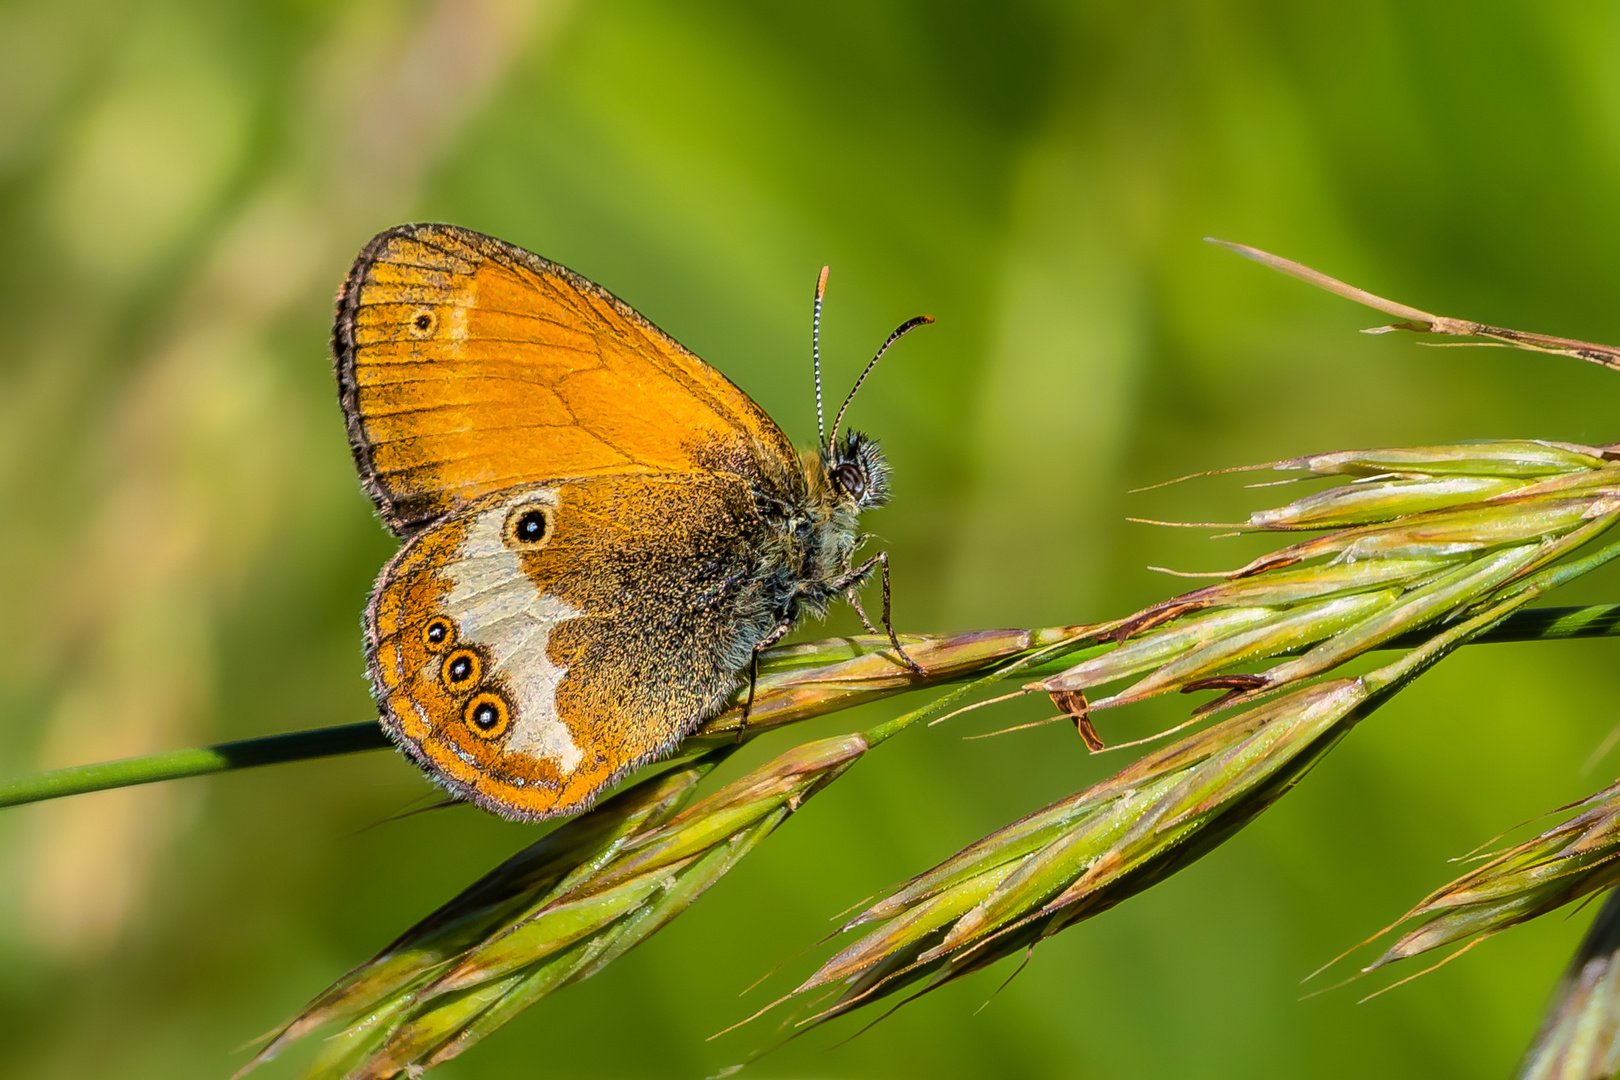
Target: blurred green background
x,y
184,551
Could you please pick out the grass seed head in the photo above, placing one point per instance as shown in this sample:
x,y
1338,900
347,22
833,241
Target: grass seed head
x,y
1443,553
1580,1037
1081,854
1574,858
556,912
1419,536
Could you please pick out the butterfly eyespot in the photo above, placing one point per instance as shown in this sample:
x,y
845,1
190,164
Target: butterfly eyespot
x,y
438,633
849,478
422,322
461,668
529,527
487,714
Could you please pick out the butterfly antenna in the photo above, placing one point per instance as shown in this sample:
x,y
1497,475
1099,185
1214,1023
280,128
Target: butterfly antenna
x,y
815,350
904,328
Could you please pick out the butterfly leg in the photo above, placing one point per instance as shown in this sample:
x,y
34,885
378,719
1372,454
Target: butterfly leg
x,y
850,579
854,599
888,623
850,594
777,633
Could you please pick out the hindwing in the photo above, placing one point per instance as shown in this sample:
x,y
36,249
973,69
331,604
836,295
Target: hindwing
x,y
534,646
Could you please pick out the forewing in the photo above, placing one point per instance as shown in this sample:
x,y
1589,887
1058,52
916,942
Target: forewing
x,y
467,365
529,675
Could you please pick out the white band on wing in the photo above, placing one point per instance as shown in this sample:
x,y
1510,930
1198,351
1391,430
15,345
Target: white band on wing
x,y
496,605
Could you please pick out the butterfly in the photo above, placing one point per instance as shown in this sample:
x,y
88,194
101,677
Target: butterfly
x,y
601,532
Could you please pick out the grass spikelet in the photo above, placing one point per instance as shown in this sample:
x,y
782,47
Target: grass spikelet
x,y
1086,853
556,913
1434,564
375,993
1401,556
1573,859
1414,549
1580,1037
597,886
1082,854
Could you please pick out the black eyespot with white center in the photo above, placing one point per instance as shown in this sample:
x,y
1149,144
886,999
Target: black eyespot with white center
x,y
423,322
438,634
487,714
529,526
461,669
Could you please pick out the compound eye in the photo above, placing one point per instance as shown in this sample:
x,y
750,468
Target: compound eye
x,y
850,478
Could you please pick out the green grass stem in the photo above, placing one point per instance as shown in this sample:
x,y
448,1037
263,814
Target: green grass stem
x,y
1541,624
197,761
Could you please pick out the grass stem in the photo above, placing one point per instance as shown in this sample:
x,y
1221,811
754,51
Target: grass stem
x,y
1541,624
197,761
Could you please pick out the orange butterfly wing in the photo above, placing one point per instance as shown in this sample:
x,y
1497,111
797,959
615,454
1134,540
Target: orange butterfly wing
x,y
529,676
467,365
479,382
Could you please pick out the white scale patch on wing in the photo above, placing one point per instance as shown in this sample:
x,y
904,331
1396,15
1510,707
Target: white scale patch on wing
x,y
496,605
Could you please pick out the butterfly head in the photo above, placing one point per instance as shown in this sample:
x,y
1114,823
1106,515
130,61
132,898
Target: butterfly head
x,y
857,472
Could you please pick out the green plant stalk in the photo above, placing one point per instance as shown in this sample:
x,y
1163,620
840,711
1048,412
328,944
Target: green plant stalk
x,y
1542,624
796,682
197,761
